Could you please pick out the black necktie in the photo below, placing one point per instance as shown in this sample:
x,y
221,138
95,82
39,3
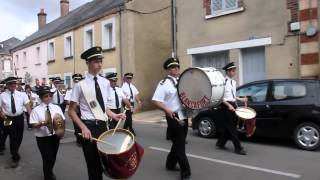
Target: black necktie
x,y
50,123
116,97
13,105
131,92
58,96
99,94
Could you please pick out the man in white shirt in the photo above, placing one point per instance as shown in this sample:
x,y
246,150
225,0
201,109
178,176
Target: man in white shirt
x,y
132,94
166,99
12,103
116,98
58,96
228,122
34,101
76,78
89,125
48,142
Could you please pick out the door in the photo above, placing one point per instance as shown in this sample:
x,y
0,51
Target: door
x,y
257,95
216,60
253,64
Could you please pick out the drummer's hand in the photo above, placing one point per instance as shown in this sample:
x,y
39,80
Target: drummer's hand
x,y
170,113
117,117
244,99
86,133
231,108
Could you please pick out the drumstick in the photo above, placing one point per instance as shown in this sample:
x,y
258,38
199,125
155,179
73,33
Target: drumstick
x,y
101,141
114,131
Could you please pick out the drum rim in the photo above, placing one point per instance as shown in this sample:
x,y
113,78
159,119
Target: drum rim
x,y
243,107
111,131
190,68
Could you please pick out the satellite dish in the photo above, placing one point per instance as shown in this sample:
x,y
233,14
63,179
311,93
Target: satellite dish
x,y
311,31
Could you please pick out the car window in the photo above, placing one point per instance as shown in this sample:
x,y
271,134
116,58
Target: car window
x,y
288,90
254,93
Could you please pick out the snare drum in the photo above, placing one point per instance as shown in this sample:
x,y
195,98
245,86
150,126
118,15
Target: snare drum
x,y
200,88
245,113
120,155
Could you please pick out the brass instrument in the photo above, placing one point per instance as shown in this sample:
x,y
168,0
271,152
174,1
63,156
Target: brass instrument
x,y
30,101
6,122
59,125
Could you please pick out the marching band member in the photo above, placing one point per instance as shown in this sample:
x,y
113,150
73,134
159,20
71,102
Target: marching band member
x,y
58,96
76,78
2,145
116,98
166,99
47,140
12,103
34,101
228,123
132,94
96,89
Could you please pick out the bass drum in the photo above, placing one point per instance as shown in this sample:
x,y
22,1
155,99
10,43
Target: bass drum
x,y
121,156
200,88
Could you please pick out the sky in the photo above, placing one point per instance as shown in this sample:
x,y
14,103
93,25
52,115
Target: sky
x,y
18,18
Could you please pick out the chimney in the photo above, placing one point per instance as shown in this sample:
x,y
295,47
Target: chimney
x,y
42,19
64,7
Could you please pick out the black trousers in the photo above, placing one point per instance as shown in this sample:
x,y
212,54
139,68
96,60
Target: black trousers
x,y
63,107
113,123
15,132
228,128
128,122
48,147
91,152
177,153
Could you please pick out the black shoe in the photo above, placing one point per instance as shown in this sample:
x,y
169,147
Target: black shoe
x,y
16,157
241,152
185,176
53,177
175,168
186,142
1,152
14,164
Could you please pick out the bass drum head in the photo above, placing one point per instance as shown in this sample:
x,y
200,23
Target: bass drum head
x,y
194,88
245,113
121,141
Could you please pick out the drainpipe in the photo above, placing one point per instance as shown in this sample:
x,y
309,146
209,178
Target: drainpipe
x,y
120,42
174,28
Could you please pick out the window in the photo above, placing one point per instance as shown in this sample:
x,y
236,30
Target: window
x,y
288,90
216,59
24,59
67,80
218,6
254,93
17,61
88,37
6,66
51,50
38,54
68,45
108,34
1,46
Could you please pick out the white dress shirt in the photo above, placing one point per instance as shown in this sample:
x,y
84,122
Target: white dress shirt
x,y
20,100
67,97
167,93
78,97
38,114
112,98
55,96
126,91
230,90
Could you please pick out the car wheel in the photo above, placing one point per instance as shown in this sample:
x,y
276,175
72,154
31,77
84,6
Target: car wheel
x,y
206,127
307,136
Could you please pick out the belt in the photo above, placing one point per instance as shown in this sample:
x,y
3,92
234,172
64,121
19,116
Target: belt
x,y
15,116
94,122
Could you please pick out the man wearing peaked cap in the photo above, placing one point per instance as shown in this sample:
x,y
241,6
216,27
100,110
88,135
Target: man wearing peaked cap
x,y
167,100
58,96
92,123
132,93
12,105
228,125
76,78
116,98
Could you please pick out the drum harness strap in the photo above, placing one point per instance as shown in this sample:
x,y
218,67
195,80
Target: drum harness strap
x,y
171,79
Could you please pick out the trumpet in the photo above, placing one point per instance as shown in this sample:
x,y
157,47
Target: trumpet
x,y
6,122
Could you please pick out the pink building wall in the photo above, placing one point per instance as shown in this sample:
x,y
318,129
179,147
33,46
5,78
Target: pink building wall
x,y
32,59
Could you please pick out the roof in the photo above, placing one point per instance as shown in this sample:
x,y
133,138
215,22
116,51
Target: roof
x,y
8,44
83,14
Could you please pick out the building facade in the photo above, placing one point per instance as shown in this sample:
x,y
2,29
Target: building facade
x,y
6,63
264,38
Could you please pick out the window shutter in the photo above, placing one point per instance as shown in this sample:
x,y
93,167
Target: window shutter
x,y
216,5
231,4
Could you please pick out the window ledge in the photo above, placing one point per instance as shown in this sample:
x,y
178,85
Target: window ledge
x,y
223,13
109,49
51,61
38,64
68,58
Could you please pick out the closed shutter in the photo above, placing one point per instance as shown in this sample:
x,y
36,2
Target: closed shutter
x,y
217,59
230,4
216,5
253,63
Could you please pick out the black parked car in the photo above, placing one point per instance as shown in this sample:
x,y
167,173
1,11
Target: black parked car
x,y
285,108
